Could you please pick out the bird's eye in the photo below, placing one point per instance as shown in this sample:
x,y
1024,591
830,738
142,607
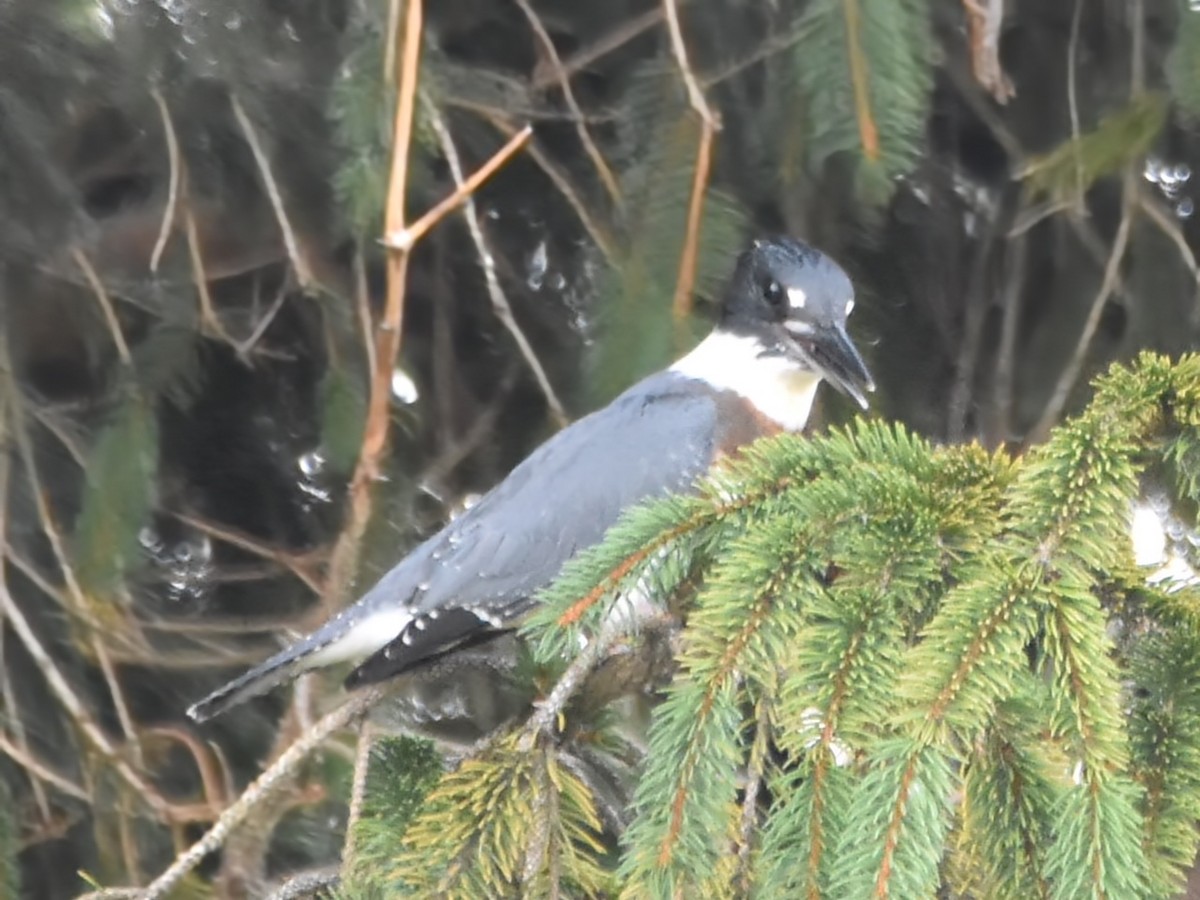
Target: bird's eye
x,y
773,292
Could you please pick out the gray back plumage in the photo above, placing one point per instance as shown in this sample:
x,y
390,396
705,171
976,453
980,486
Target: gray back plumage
x,y
656,438
477,575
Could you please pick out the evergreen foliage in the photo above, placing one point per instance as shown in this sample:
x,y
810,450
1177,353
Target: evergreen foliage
x,y
866,71
914,660
10,846
119,496
1183,64
904,667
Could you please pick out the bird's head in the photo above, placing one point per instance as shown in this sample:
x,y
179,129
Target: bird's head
x,y
794,300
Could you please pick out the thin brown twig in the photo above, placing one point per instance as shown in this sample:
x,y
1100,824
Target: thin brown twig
x,y
260,327
983,25
208,315
564,82
56,427
24,757
70,701
387,333
7,684
1169,227
679,48
500,304
618,37
303,273
1070,374
214,773
750,817
768,48
358,790
681,304
109,671
389,50
245,542
277,772
595,230
57,682
169,211
1006,353
362,302
110,315
404,238
1073,100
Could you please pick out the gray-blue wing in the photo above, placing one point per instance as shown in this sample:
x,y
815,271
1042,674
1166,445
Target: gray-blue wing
x,y
478,574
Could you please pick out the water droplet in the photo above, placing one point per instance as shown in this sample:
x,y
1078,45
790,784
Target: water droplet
x,y
404,389
1185,207
311,463
537,268
150,540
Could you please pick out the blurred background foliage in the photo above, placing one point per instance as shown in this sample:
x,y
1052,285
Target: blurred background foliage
x,y
192,196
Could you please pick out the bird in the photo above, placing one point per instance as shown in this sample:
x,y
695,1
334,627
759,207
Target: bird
x,y
780,331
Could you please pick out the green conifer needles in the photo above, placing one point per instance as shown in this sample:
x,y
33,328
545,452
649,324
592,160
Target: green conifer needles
x,y
866,72
903,669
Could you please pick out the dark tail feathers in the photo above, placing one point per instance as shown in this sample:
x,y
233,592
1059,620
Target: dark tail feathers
x,y
275,671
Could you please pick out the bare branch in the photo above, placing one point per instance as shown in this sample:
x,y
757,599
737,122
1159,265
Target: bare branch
x,y
564,83
983,25
1070,375
695,94
405,238
681,304
260,789
110,315
562,181
500,304
176,167
299,263
387,334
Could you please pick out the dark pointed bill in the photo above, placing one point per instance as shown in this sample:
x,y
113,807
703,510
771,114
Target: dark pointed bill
x,y
832,353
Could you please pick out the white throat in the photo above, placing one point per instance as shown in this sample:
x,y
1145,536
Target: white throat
x,y
780,388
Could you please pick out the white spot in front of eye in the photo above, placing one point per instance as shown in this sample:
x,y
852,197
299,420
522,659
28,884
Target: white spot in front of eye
x,y
797,298
849,306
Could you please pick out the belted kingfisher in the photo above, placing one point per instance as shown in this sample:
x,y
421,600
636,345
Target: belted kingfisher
x,y
781,330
